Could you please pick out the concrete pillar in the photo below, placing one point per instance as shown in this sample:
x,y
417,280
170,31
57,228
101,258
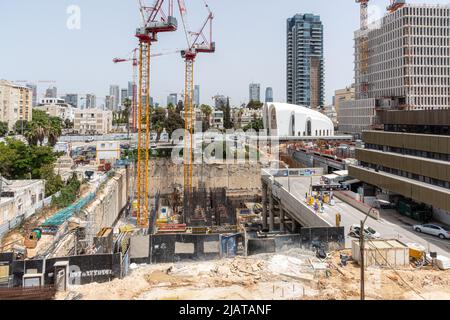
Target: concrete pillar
x,y
264,203
295,226
271,211
282,226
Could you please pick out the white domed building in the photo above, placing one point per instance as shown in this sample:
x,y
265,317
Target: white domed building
x,y
287,120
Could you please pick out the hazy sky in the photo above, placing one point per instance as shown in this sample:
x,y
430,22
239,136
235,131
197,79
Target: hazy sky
x,y
250,39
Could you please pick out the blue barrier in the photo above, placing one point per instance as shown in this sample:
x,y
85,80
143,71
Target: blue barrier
x,y
66,213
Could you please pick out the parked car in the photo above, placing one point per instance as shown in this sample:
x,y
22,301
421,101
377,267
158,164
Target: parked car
x,y
434,230
369,232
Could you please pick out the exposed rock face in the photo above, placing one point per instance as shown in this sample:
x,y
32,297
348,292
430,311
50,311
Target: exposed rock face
x,y
165,176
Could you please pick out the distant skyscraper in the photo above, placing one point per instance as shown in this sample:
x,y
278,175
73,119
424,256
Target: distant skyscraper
x,y
51,93
33,88
109,103
114,91
172,99
130,89
91,101
255,92
72,99
123,95
305,63
197,95
269,94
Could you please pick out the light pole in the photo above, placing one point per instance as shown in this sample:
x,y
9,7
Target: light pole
x,y
361,247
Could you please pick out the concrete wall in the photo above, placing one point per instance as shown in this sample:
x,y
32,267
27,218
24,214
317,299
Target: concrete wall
x,y
164,176
111,199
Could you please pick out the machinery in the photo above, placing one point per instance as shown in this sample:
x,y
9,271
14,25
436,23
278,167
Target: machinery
x,y
32,238
154,21
197,43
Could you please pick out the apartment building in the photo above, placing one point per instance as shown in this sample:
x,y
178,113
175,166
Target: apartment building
x,y
57,108
410,158
401,62
93,121
305,61
16,103
19,199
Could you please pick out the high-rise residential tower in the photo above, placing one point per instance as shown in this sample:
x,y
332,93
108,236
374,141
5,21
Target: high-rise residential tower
x,y
33,89
197,95
91,101
123,95
71,99
255,92
51,92
269,94
114,91
305,62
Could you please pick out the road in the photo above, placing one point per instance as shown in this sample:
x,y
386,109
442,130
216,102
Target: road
x,y
391,224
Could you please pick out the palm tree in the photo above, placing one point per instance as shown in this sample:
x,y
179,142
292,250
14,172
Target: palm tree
x,y
207,111
36,134
126,114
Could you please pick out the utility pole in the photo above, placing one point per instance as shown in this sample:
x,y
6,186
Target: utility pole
x,y
361,247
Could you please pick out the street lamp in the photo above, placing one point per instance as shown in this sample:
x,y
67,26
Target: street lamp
x,y
362,243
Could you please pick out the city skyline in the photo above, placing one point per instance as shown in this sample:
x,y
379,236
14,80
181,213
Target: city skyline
x,y
264,59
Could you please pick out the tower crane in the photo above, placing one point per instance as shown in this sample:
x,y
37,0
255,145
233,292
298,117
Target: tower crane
x,y
155,19
395,5
364,4
134,60
197,42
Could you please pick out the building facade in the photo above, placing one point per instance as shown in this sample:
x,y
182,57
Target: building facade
x,y
197,95
72,99
51,92
403,62
269,94
342,95
172,99
409,159
33,89
305,62
15,103
93,121
91,101
123,96
114,91
64,111
254,92
288,120
19,199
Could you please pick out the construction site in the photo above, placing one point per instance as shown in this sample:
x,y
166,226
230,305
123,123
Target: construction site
x,y
286,228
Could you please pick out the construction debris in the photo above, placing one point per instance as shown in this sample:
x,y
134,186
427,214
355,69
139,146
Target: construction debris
x,y
291,275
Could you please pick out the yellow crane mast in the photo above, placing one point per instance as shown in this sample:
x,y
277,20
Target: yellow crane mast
x,y
155,21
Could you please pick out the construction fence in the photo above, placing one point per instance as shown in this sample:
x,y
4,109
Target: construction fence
x,y
80,270
309,238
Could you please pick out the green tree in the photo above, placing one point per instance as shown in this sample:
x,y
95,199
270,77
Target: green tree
x,y
227,123
21,126
3,129
255,105
255,124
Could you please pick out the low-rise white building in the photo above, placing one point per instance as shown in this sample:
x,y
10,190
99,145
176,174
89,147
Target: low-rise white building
x,y
287,120
108,151
242,117
93,121
216,120
62,110
19,199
